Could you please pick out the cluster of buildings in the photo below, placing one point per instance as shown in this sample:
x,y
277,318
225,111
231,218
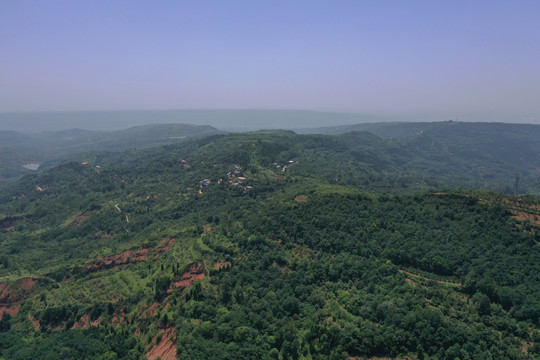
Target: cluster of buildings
x,y
234,178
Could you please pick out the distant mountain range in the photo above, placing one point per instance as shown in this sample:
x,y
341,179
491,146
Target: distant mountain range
x,y
228,120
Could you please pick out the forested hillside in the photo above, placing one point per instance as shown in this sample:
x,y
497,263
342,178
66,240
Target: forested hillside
x,y
487,152
270,245
21,154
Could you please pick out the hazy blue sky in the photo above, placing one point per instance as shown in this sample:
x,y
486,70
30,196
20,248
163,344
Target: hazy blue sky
x,y
476,59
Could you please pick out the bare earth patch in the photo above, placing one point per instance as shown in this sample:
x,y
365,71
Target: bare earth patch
x,y
129,257
85,323
166,348
33,320
184,281
151,311
118,319
12,294
79,219
168,243
523,216
221,263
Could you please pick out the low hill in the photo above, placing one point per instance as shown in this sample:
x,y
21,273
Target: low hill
x,y
478,151
449,129
46,149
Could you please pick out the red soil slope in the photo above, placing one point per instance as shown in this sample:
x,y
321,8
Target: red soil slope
x,y
12,294
194,273
128,257
84,322
166,348
221,263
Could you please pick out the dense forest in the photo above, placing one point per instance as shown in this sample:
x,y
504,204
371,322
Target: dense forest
x,y
435,155
272,245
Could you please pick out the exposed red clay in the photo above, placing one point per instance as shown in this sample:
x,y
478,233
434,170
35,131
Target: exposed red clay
x,y
127,257
96,322
85,323
140,311
9,309
523,216
221,263
194,273
33,320
79,219
12,294
118,319
164,248
151,311
28,283
109,262
140,255
166,348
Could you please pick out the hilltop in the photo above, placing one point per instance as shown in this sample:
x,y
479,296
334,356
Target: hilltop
x,y
24,153
427,155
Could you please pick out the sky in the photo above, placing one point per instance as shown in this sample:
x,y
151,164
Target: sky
x,y
474,60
